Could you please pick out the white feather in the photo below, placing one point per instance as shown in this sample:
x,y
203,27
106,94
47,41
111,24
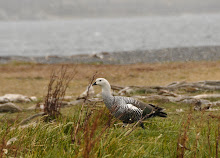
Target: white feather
x,y
132,107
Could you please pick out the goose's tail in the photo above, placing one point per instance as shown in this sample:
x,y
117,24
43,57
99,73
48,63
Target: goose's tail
x,y
157,111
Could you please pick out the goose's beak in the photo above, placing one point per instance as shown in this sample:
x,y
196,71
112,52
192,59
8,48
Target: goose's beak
x,y
94,84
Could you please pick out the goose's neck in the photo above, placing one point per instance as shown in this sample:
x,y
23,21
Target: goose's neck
x,y
106,91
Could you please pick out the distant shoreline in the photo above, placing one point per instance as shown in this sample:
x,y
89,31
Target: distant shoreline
x,y
41,9
202,53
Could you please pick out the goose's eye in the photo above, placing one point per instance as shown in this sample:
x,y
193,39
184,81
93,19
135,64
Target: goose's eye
x,y
100,80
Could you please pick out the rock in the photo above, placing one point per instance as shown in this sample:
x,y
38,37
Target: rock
x,y
207,107
98,55
188,101
203,96
84,94
99,95
216,103
175,84
126,90
78,102
16,98
75,102
32,125
3,100
95,100
202,105
48,57
64,104
33,98
68,97
198,106
9,107
211,109
167,93
101,55
36,107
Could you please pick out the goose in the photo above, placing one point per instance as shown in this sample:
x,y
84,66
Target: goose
x,y
127,109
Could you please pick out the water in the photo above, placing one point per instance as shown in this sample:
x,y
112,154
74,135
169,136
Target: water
x,y
86,36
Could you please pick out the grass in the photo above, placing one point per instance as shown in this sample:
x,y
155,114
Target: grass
x,y
186,134
158,140
32,79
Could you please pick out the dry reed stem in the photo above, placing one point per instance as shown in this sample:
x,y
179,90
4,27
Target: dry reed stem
x,y
139,121
57,87
90,126
217,140
198,126
182,139
108,124
208,136
214,116
73,139
4,146
89,132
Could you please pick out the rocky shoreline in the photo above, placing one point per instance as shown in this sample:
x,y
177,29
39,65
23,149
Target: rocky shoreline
x,y
204,53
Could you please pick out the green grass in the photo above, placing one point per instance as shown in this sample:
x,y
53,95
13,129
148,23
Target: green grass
x,y
196,132
159,139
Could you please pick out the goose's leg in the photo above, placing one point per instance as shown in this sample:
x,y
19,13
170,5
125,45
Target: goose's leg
x,y
142,125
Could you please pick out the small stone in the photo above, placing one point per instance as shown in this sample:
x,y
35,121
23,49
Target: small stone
x,y
9,107
33,98
16,98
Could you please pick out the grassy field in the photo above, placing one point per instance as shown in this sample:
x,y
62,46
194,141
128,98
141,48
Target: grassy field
x,y
187,134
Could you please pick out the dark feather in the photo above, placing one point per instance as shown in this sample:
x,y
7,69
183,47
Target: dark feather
x,y
157,111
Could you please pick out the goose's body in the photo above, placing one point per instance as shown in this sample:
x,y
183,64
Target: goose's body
x,y
126,109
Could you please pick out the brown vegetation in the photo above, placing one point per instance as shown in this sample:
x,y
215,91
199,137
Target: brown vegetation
x,y
32,79
58,84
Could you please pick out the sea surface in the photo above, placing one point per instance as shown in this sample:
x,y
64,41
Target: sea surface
x,y
88,36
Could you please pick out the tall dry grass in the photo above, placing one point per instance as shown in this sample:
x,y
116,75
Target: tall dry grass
x,y
87,131
193,141
58,84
